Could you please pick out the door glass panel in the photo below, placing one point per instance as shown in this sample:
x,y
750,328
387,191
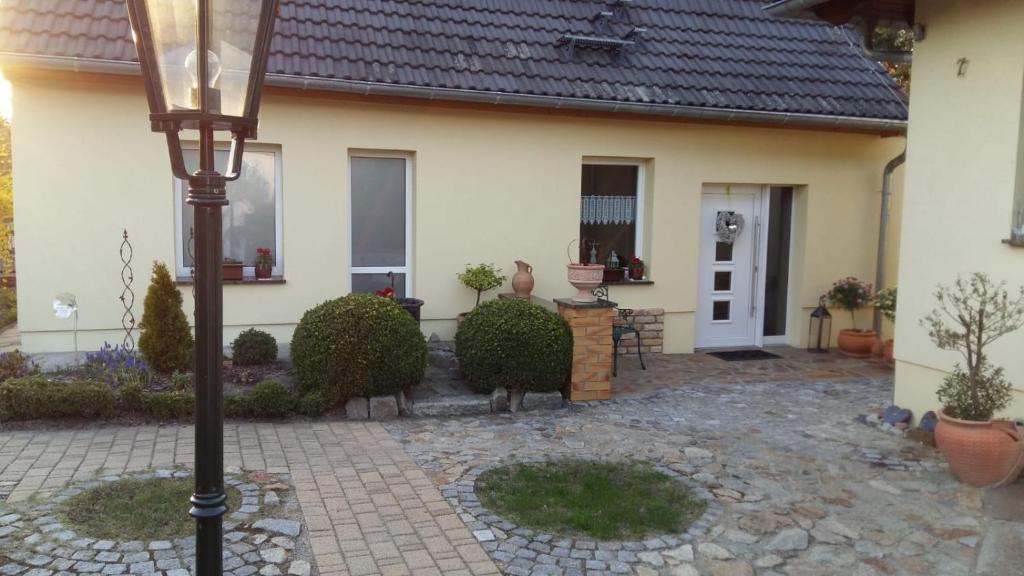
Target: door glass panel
x,y
720,310
723,252
378,212
723,281
370,283
776,281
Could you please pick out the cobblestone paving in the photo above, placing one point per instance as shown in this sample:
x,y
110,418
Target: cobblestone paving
x,y
365,506
804,489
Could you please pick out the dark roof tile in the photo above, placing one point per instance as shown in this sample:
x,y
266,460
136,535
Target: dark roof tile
x,y
704,53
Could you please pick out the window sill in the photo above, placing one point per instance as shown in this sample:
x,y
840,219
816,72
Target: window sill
x,y
187,280
645,282
1013,243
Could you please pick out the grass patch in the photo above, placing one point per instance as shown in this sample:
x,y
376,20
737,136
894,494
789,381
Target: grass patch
x,y
132,509
603,500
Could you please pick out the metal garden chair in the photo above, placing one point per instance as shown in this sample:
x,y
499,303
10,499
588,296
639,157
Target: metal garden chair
x,y
621,326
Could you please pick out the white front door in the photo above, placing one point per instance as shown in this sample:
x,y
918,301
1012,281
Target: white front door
x,y
728,285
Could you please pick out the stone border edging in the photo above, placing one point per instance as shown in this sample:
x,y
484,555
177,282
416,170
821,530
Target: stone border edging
x,y
522,549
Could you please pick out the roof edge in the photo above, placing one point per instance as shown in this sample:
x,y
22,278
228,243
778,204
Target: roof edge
x,y
358,87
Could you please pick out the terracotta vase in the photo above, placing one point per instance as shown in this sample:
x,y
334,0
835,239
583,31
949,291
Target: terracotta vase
x,y
584,278
856,343
983,454
522,280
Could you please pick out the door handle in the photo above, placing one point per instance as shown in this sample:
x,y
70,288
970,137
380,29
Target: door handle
x,y
755,258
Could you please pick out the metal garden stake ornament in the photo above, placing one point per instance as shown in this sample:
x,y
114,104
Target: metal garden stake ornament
x,y
203,64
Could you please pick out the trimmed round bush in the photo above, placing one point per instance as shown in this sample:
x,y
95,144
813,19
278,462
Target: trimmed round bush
x,y
358,345
515,344
254,348
270,398
312,404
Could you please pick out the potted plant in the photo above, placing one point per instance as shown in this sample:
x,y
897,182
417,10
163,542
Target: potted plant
x,y
885,302
410,305
264,263
970,316
584,278
851,295
636,268
232,269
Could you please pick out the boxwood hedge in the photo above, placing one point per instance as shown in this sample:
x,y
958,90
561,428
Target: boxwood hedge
x,y
515,344
358,345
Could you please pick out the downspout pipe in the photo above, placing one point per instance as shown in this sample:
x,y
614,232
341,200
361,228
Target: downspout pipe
x,y
883,224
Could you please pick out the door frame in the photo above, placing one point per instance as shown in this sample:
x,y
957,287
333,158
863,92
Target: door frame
x,y
759,262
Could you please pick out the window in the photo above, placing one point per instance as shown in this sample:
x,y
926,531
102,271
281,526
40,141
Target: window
x,y
611,211
252,219
381,222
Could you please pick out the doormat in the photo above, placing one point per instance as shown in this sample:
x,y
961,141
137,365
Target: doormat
x,y
739,355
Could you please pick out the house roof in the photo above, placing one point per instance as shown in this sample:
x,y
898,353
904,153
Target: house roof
x,y
715,59
842,11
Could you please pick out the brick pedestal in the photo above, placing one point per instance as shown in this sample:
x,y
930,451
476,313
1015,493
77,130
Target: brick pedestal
x,y
591,325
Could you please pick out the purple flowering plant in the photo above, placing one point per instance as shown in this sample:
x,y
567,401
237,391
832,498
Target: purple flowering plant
x,y
117,364
15,364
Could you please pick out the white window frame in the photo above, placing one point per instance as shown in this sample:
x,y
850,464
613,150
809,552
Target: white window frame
x,y
407,269
641,193
182,269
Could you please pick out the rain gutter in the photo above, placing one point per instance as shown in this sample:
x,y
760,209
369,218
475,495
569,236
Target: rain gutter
x,y
883,223
700,113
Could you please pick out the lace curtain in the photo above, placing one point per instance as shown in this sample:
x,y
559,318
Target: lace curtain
x,y
608,209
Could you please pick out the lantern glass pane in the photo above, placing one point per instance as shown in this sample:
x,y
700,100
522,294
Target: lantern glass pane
x,y
173,31
234,25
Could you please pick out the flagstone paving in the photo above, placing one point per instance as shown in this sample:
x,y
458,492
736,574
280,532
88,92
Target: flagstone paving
x,y
804,489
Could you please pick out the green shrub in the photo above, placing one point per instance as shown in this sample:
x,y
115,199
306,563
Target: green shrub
x,y
169,405
8,306
270,398
15,364
358,345
515,344
36,397
165,340
129,397
236,405
181,382
253,348
313,404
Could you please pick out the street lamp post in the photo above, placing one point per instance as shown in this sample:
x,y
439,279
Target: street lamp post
x,y
203,64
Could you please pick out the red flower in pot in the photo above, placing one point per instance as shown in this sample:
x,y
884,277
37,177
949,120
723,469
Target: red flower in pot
x,y
264,263
388,292
636,268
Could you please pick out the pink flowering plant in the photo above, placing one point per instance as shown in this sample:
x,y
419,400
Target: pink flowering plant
x,y
850,294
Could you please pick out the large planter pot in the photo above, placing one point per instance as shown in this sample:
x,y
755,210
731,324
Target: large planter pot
x,y
412,306
984,454
584,278
856,343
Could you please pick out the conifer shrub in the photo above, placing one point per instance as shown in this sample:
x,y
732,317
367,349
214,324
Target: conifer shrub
x,y
358,345
165,340
254,348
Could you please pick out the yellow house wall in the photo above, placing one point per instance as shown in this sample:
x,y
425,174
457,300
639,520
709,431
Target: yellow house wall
x,y
963,160
489,186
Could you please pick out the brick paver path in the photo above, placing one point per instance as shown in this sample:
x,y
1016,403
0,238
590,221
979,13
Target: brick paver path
x,y
368,508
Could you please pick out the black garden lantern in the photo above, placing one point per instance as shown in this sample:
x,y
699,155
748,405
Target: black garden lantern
x,y
819,333
203,63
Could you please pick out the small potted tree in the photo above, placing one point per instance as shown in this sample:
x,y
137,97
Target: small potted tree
x,y
264,263
851,295
885,302
971,315
481,278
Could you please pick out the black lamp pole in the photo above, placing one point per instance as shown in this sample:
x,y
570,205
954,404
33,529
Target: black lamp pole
x,y
193,84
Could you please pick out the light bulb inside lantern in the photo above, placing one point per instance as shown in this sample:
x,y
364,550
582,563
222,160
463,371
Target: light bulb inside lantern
x,y
212,73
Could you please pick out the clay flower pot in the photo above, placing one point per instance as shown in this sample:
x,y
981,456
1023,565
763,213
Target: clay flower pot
x,y
983,454
584,278
856,343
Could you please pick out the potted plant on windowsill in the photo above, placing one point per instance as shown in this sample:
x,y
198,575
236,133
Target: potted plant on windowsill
x,y
232,269
885,302
851,295
481,278
264,264
410,305
971,315
636,268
